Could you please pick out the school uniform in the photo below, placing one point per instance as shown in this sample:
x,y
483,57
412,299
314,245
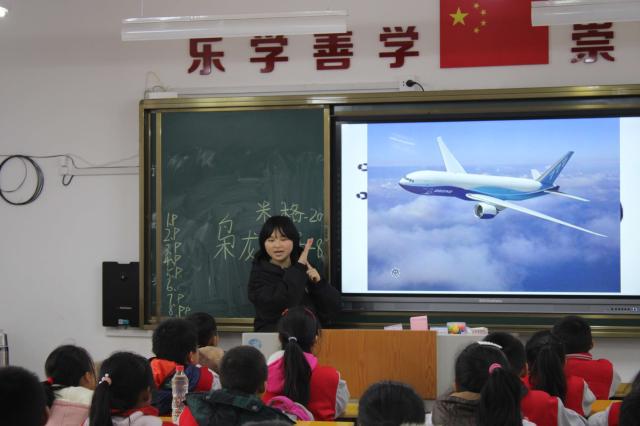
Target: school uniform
x,y
201,379
458,409
70,406
578,398
145,416
545,410
598,373
608,417
328,392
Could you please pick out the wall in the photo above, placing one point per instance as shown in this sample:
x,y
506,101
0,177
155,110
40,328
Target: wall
x,y
69,85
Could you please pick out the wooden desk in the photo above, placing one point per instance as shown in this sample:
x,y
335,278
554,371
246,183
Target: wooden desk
x,y
600,405
324,423
622,390
364,357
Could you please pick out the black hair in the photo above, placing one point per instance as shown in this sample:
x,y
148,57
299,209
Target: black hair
x,y
575,334
64,367
206,325
297,330
512,348
22,398
630,408
243,369
129,375
545,357
484,369
388,403
285,226
174,339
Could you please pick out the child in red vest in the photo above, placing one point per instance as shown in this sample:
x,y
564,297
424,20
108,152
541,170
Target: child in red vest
x,y
537,406
175,342
295,373
546,359
625,413
575,334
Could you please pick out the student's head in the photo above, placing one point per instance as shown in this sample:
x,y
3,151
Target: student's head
x,y
175,340
22,398
575,334
125,383
483,368
512,348
279,241
630,409
545,358
298,330
68,365
207,328
243,369
389,403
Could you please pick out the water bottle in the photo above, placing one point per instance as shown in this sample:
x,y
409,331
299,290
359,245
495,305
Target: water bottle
x,y
4,349
179,389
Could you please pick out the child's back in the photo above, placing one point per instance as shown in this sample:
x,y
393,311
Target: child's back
x,y
210,355
575,334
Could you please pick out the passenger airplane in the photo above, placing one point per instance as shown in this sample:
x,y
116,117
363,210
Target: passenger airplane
x,y
493,193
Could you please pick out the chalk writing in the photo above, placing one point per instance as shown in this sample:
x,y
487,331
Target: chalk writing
x,y
263,211
225,237
248,250
173,271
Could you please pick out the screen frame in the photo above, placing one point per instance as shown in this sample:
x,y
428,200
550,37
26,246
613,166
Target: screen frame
x,y
501,104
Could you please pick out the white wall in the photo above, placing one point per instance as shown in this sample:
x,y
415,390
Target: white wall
x,y
69,85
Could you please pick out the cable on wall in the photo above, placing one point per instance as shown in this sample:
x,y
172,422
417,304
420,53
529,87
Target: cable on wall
x,y
39,179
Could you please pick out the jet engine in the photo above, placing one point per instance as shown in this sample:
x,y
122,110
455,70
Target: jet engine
x,y
485,211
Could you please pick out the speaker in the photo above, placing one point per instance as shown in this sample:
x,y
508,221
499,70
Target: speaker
x,y
120,294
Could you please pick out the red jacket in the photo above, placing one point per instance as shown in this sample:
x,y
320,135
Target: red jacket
x,y
578,398
598,373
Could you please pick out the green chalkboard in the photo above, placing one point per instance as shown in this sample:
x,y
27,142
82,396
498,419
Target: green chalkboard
x,y
214,177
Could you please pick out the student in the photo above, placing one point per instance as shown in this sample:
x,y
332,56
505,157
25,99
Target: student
x,y
243,372
282,277
71,379
390,404
123,395
209,354
621,413
486,391
175,342
295,373
22,398
537,406
575,334
545,359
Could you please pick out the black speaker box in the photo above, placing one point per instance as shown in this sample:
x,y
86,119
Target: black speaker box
x,y
120,294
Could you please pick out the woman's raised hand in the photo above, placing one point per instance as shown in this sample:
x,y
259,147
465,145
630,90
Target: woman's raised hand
x,y
305,253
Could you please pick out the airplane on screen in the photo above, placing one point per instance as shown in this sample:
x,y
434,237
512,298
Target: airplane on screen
x,y
492,193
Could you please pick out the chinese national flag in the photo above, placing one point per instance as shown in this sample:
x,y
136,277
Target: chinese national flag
x,y
481,33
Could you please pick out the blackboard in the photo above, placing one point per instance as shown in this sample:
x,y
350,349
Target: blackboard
x,y
214,177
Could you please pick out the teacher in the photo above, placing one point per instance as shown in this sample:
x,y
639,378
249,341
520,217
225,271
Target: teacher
x,y
282,277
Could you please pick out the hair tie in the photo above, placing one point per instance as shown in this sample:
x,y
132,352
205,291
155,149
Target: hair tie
x,y
106,379
487,343
49,380
494,367
293,339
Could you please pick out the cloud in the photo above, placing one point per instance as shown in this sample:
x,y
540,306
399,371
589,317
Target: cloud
x,y
401,139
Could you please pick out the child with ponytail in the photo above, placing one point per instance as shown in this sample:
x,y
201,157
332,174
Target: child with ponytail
x,y
71,379
123,395
486,393
294,372
546,359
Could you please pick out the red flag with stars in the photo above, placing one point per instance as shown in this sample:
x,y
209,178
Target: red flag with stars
x,y
481,33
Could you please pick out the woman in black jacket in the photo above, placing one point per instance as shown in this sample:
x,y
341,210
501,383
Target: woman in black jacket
x,y
282,277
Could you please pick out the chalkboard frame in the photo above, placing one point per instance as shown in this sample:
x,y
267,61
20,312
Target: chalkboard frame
x,y
355,104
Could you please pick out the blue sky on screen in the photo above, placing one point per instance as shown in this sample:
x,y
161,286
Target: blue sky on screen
x,y
437,244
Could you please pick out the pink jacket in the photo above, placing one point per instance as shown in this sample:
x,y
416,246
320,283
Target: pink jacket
x,y
71,407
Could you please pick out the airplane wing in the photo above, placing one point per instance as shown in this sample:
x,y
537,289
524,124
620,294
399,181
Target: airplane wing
x,y
450,161
573,197
509,205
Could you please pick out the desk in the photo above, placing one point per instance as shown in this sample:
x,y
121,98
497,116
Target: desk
x,y
325,423
600,405
622,390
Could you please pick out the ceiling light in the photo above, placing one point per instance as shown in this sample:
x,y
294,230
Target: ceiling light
x,y
569,12
246,25
3,11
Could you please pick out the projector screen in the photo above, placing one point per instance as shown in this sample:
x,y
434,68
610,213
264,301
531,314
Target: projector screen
x,y
531,210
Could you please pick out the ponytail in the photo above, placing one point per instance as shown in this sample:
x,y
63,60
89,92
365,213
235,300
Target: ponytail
x,y
100,411
298,329
500,399
545,356
297,373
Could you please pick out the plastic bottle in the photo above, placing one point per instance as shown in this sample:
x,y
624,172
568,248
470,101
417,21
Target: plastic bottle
x,y
4,349
179,389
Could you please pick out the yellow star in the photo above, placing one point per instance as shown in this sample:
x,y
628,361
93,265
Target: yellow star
x,y
476,30
476,5
458,17
483,12
483,23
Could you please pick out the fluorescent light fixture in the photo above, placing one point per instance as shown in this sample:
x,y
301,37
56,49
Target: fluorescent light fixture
x,y
569,12
247,25
3,11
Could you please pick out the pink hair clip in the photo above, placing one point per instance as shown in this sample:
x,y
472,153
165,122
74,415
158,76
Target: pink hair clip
x,y
106,378
494,367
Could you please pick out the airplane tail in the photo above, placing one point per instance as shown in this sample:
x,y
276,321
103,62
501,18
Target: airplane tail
x,y
551,174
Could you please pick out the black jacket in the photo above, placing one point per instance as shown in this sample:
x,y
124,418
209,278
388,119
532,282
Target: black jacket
x,y
273,289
